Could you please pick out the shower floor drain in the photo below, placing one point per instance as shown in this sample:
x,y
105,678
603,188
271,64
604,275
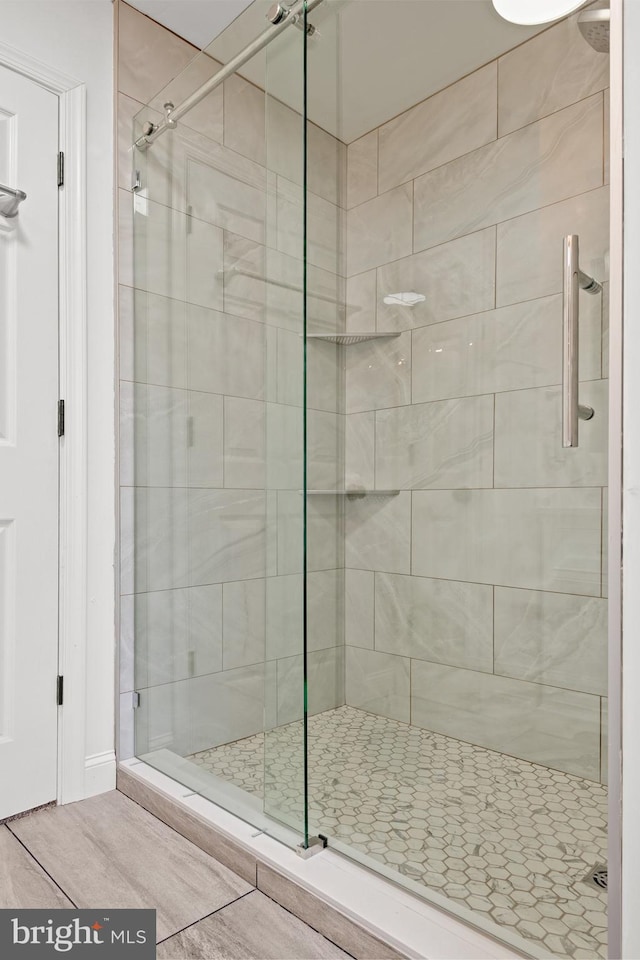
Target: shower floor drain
x,y
597,877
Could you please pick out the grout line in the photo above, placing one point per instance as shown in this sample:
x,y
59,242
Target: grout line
x,y
33,857
208,915
488,144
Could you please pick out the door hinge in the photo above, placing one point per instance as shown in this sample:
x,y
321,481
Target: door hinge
x,y
59,690
61,418
60,169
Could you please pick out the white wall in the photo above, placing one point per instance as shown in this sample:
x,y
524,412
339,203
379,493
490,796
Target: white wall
x,y
76,38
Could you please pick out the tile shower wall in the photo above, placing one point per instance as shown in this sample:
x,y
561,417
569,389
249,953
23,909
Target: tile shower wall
x,y
475,598
210,398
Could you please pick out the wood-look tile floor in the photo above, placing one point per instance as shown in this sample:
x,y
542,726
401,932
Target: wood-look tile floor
x,y
109,852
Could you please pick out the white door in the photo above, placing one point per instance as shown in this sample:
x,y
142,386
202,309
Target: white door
x,y
28,447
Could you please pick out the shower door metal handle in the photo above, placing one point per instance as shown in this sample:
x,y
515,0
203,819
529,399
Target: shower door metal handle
x,y
574,280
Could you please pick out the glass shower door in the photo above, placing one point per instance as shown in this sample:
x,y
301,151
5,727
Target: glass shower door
x,y
467,760
284,795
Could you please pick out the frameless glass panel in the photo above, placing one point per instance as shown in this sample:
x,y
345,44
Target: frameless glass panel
x,y
284,271
465,761
216,412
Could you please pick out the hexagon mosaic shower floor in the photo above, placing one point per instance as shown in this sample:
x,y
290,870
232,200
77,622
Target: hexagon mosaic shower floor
x,y
510,839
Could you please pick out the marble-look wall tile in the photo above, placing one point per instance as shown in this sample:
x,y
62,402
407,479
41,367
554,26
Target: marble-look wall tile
x,y
604,740
126,333
160,339
444,445
325,617
549,72
325,546
509,348
558,728
325,244
244,443
178,634
243,623
244,118
456,279
284,140
325,445
447,125
178,437
380,230
127,540
162,538
378,683
126,435
327,156
206,118
528,439
437,620
605,542
163,721
325,672
323,376
126,266
225,706
529,248
126,745
327,165
362,169
555,533
266,285
284,613
204,440
378,534
226,535
225,354
607,135
126,652
160,429
284,447
175,255
378,374
361,302
547,161
551,638
228,191
360,438
359,608
149,56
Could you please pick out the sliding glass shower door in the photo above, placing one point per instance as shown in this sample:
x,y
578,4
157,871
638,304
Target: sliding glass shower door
x,y
468,760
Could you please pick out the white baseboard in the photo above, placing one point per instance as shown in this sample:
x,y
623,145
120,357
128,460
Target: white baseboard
x,y
99,773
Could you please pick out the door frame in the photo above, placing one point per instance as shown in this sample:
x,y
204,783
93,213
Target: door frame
x,y
72,505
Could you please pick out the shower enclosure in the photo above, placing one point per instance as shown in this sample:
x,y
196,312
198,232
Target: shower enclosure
x,y
368,418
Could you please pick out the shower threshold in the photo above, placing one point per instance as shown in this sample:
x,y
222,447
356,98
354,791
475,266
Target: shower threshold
x,y
510,840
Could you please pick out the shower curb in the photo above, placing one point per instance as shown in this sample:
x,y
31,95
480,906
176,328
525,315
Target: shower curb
x,y
314,911
363,913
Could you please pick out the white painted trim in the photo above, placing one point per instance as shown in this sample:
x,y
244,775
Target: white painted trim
x,y
414,927
72,769
73,447
99,773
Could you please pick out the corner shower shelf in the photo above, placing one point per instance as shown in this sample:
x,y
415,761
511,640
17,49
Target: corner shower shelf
x,y
352,494
347,339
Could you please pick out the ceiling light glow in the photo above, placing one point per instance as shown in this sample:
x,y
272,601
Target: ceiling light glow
x,y
530,12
